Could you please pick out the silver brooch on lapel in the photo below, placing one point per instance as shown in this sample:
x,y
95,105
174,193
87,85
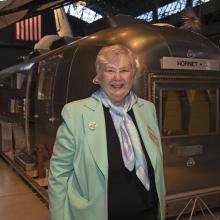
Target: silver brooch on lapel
x,y
92,125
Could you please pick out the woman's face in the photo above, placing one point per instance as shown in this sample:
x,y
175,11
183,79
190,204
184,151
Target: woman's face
x,y
116,79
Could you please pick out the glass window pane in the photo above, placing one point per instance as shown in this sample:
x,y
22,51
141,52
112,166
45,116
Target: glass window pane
x,y
46,77
82,13
189,112
148,16
20,80
171,8
199,2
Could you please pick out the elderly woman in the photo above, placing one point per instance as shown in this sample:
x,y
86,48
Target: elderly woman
x,y
107,158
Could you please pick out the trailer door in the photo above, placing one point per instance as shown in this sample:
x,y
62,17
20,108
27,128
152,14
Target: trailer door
x,y
47,70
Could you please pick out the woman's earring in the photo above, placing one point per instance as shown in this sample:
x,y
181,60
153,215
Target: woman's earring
x,y
95,81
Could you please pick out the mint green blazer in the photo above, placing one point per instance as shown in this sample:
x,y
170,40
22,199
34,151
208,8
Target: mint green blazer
x,y
78,175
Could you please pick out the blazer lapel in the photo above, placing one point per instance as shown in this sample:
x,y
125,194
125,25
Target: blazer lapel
x,y
95,130
141,117
94,124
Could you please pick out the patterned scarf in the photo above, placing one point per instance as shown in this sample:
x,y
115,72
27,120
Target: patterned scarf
x,y
131,148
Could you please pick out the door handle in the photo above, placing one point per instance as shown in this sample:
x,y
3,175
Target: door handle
x,y
52,119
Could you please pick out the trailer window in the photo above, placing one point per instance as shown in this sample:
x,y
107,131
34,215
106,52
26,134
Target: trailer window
x,y
20,80
47,70
14,81
7,82
189,111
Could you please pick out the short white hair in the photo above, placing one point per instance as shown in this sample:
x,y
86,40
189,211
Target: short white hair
x,y
108,53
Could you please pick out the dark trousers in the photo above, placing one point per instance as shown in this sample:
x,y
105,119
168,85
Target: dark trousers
x,y
149,214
